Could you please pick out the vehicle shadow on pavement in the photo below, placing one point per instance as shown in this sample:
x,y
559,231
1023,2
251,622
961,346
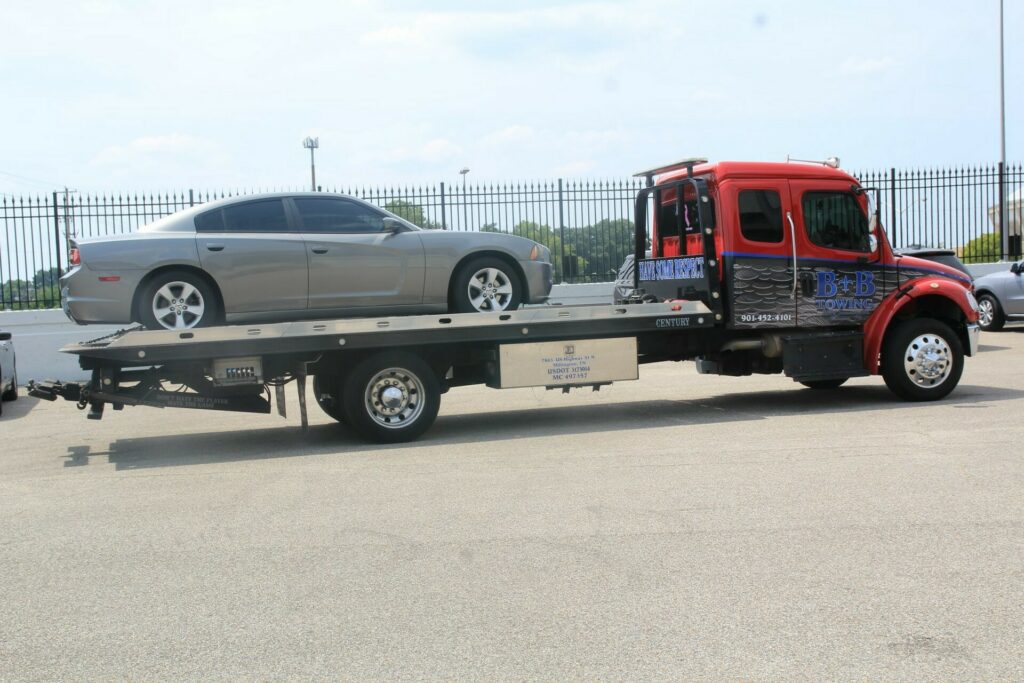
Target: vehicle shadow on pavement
x,y
15,410
331,439
723,408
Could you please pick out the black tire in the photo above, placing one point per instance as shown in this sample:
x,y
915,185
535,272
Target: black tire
x,y
825,384
415,399
922,360
991,318
178,291
327,391
495,283
12,393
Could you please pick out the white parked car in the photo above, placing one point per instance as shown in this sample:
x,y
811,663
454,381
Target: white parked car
x,y
8,372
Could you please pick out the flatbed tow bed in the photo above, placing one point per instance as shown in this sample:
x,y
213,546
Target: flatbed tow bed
x,y
383,376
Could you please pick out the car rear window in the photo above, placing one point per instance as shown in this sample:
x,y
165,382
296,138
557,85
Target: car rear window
x,y
263,215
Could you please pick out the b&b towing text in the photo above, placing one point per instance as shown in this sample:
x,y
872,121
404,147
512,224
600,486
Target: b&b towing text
x,y
754,268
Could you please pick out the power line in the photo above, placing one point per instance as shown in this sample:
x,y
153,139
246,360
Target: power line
x,y
26,179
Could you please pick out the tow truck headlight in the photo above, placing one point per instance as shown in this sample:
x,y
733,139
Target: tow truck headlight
x,y
971,301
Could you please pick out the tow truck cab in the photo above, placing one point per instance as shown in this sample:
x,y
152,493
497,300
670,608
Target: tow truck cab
x,y
791,248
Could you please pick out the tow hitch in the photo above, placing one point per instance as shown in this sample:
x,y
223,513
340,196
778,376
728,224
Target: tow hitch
x,y
51,390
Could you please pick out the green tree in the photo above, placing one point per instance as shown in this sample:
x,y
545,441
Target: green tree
x,y
411,212
46,278
21,295
987,247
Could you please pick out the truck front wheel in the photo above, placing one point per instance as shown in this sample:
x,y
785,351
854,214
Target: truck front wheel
x,y
391,397
922,360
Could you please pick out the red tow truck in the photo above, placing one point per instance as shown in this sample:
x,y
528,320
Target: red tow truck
x,y
753,268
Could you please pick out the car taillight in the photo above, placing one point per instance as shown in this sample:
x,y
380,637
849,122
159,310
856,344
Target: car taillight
x,y
75,258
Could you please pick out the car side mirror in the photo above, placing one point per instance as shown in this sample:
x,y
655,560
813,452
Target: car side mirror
x,y
1017,268
393,225
5,336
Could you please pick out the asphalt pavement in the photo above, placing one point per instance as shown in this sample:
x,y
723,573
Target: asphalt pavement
x,y
680,527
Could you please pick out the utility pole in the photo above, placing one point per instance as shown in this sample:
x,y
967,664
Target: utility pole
x,y
69,218
312,144
465,200
1004,228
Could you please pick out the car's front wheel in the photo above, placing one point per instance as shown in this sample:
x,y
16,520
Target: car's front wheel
x,y
486,285
990,315
178,300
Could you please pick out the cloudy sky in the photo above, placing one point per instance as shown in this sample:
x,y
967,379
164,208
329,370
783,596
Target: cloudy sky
x,y
121,95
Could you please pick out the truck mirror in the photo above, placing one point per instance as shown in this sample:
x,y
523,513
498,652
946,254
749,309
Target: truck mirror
x,y
873,242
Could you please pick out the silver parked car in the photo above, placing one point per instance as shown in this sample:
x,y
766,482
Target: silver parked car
x,y
8,370
297,255
1000,297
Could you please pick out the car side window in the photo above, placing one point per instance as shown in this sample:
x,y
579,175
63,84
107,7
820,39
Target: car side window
x,y
761,215
835,220
329,215
262,215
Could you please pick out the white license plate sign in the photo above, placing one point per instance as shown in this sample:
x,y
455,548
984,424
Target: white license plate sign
x,y
567,363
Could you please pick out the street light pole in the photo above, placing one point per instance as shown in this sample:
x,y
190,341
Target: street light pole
x,y
312,144
1010,248
465,202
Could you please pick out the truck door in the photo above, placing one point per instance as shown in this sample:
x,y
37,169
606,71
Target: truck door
x,y
841,279
758,255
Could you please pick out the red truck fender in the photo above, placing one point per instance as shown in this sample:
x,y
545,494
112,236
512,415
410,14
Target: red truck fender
x,y
932,296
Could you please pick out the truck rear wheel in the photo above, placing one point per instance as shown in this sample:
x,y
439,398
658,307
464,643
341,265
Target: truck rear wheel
x,y
327,391
922,360
391,397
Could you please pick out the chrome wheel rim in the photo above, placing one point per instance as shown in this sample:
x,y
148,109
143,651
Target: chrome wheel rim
x,y
986,312
489,289
928,360
178,306
394,398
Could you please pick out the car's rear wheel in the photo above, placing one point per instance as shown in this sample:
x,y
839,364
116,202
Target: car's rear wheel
x,y
178,300
990,315
486,285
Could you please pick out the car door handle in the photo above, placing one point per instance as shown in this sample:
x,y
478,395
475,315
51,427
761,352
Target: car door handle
x,y
215,247
319,250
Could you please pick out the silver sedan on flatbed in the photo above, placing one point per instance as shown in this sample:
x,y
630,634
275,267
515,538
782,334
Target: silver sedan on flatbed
x,y
296,255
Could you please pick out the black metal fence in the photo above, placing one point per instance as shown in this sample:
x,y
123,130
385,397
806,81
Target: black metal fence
x,y
587,224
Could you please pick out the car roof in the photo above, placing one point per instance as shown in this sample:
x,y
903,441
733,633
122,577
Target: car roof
x,y
184,221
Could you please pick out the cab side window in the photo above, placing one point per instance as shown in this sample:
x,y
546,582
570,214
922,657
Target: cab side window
x,y
761,216
337,216
835,220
